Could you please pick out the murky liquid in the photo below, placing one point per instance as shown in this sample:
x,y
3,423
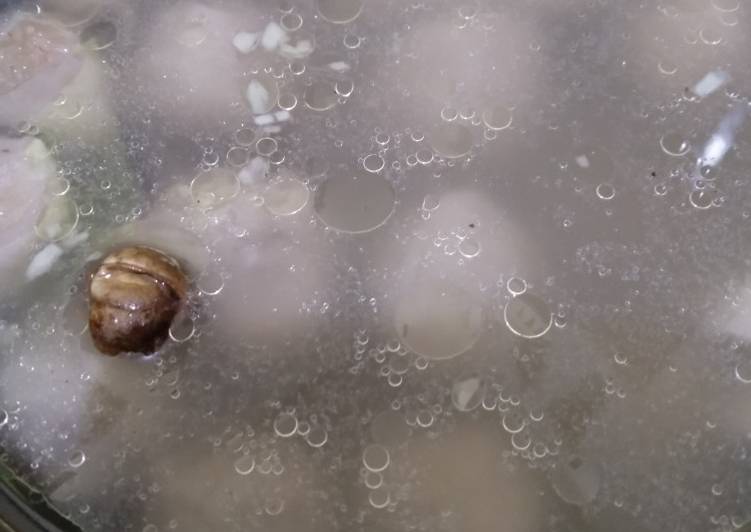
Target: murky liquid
x,y
470,266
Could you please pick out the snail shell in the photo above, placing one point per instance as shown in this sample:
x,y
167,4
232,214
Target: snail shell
x,y
134,296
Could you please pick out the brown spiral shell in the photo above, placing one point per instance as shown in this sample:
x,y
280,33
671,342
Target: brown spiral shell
x,y
134,296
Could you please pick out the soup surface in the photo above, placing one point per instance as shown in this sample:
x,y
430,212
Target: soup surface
x,y
453,266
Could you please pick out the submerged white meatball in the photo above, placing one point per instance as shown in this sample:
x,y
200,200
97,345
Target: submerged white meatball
x,y
55,83
262,267
25,171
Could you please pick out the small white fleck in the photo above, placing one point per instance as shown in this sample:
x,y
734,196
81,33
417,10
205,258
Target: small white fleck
x,y
710,83
264,120
73,240
43,261
582,161
273,36
245,42
339,66
254,172
302,49
258,97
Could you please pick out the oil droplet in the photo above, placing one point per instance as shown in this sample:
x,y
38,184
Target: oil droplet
x,y
274,506
469,248
576,481
266,146
389,428
286,196
726,5
59,219
76,459
3,417
245,137
516,286
743,371
192,33
210,283
183,328
528,316
287,101
702,199
379,498
213,188
667,67
373,480
513,422
291,22
351,41
237,157
245,465
521,441
710,35
497,118
438,320
375,458
605,191
430,202
425,418
340,11
449,114
320,96
150,528
373,163
674,144
620,358
451,140
285,425
467,394
59,186
354,204
344,87
317,437
424,156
